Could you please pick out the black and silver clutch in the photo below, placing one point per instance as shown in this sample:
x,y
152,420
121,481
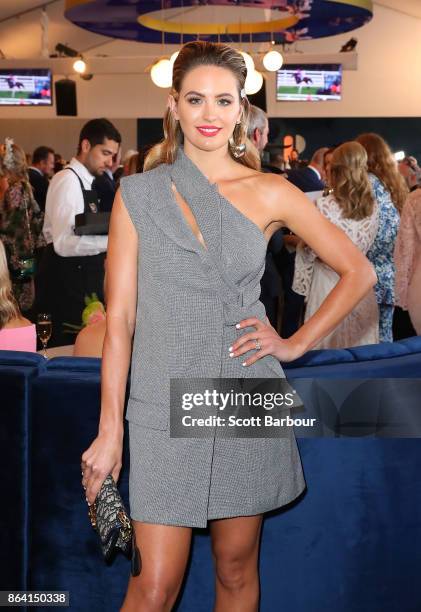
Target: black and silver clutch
x,y
109,518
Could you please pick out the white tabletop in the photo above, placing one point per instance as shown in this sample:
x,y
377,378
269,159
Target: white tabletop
x,y
59,351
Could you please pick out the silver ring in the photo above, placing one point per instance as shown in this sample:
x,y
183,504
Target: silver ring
x,y
258,345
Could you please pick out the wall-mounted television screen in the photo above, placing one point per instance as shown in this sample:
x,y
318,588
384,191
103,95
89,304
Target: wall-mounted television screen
x,y
309,82
25,87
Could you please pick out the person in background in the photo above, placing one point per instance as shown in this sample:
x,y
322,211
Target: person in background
x,y
16,332
352,208
258,128
327,160
20,225
411,172
90,340
276,163
311,177
311,180
390,191
4,182
294,159
40,171
129,153
105,185
135,164
270,283
73,266
407,258
59,162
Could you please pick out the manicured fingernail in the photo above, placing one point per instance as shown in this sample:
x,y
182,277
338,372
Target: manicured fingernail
x,y
231,354
230,349
238,326
244,363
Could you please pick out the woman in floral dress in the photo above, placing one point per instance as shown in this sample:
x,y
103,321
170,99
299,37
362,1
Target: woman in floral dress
x,y
408,260
21,223
390,192
352,208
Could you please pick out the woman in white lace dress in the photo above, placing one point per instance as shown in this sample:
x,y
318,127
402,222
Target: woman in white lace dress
x,y
353,209
408,260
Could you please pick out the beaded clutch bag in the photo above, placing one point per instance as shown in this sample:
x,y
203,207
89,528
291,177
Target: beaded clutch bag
x,y
109,518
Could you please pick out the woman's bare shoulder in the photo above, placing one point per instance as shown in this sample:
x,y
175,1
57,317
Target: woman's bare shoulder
x,y
274,188
90,340
17,322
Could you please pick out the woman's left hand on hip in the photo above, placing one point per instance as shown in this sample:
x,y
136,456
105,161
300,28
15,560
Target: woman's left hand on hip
x,y
264,341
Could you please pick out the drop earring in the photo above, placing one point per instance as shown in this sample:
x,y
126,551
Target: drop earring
x,y
237,149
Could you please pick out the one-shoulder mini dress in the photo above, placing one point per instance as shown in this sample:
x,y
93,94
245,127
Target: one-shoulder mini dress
x,y
189,300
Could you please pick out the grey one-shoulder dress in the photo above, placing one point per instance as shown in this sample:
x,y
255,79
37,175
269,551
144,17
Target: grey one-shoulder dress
x,y
189,301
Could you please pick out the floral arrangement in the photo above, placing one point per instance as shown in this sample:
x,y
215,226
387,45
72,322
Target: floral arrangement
x,y
94,312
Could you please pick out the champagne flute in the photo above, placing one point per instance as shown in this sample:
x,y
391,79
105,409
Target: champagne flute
x,y
44,329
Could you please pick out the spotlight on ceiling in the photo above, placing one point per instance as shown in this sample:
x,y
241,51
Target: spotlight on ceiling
x,y
349,46
64,50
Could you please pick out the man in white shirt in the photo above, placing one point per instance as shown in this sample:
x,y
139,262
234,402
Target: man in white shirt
x,y
73,266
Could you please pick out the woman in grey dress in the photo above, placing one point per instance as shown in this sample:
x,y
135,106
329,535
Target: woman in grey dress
x,y
186,252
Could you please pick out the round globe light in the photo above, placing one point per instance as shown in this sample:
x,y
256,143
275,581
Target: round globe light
x,y
253,83
79,66
174,57
273,60
161,73
249,61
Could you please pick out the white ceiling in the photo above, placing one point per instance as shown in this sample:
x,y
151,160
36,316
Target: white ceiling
x,y
21,37
408,7
9,8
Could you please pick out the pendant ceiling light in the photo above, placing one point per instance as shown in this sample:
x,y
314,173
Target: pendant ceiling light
x,y
161,73
173,58
254,82
249,61
272,61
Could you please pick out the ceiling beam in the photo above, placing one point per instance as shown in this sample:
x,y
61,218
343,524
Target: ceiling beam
x,y
30,10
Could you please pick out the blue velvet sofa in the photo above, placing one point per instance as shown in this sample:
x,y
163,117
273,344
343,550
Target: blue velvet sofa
x,y
352,542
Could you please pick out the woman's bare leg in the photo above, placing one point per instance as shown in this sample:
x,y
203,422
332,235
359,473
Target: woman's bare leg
x,y
235,548
164,551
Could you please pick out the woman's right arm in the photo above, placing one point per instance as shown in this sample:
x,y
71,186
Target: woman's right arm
x,y
104,456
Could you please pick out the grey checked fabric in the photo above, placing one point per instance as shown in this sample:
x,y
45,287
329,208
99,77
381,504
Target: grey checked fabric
x,y
189,301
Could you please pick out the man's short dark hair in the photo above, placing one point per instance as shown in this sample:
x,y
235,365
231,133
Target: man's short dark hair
x,y
41,154
96,131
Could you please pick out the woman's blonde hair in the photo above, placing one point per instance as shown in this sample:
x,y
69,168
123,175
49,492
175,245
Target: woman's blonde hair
x,y
382,163
191,55
8,307
13,160
349,181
